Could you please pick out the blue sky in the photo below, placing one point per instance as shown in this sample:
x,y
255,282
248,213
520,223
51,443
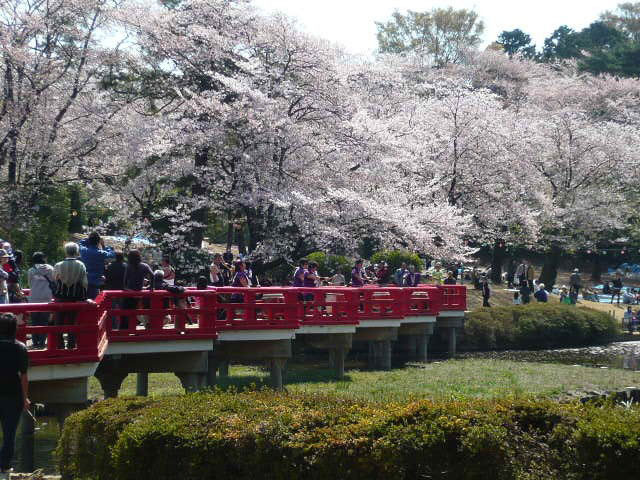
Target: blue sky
x,y
350,23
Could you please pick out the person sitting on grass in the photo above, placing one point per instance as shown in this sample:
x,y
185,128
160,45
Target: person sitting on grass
x,y
627,320
525,292
616,288
541,295
486,291
516,298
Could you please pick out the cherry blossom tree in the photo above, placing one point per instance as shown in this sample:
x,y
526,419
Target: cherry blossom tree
x,y
55,116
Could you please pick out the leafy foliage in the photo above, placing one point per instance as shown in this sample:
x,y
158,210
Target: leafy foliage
x,y
443,34
395,258
537,326
331,264
264,435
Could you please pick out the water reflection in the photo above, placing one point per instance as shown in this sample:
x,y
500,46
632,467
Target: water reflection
x,y
36,455
616,355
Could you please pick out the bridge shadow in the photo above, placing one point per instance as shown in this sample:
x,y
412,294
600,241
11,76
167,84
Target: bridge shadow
x,y
294,374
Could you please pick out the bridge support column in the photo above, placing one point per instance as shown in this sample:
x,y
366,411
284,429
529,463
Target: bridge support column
x,y
451,325
373,356
110,381
277,365
190,381
212,370
332,358
223,369
142,384
339,355
412,346
422,342
452,342
385,354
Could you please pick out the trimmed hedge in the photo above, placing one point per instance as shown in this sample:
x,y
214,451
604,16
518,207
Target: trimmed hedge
x,y
265,435
395,258
537,326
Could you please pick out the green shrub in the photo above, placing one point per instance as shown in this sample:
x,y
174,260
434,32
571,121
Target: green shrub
x,y
395,258
328,265
537,326
265,435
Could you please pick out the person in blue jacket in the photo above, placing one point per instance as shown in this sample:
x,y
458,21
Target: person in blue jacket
x,y
93,254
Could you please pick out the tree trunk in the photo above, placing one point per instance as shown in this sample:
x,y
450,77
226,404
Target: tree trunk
x,y
242,246
550,267
254,228
499,253
596,273
229,231
198,190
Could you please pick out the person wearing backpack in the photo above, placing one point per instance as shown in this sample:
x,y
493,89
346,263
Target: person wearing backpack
x,y
40,277
71,284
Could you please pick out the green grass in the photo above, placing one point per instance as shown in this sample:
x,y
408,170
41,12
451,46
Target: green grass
x,y
453,379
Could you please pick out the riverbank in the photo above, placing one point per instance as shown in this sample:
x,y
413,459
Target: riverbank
x,y
483,378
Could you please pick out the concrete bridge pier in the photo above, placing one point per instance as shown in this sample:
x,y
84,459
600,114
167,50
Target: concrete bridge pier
x,y
338,345
110,381
142,384
417,336
275,352
451,324
380,340
189,366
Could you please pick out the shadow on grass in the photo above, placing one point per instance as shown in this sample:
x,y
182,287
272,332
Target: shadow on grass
x,y
294,374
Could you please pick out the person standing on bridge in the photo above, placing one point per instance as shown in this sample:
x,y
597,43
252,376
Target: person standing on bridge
x,y
4,292
358,277
134,276
14,386
71,283
300,273
93,254
40,277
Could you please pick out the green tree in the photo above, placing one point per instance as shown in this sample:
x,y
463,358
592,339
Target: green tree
x,y
626,18
515,42
443,34
564,42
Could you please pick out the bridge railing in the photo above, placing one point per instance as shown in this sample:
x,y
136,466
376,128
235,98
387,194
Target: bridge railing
x,y
454,297
263,308
327,306
73,333
159,315
379,303
424,300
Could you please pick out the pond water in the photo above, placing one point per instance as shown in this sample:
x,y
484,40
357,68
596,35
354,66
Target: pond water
x,y
616,355
31,456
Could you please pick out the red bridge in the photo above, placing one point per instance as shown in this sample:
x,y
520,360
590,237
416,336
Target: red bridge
x,y
196,334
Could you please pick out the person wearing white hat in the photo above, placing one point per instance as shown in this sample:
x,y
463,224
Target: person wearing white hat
x,y
4,292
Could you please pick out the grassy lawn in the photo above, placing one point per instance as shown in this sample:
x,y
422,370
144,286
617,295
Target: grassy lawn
x,y
468,378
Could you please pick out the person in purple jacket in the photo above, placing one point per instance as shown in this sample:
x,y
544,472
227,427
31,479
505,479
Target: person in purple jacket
x,y
311,279
301,271
358,276
240,279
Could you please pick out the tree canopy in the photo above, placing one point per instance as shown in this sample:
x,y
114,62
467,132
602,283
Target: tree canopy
x,y
443,35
